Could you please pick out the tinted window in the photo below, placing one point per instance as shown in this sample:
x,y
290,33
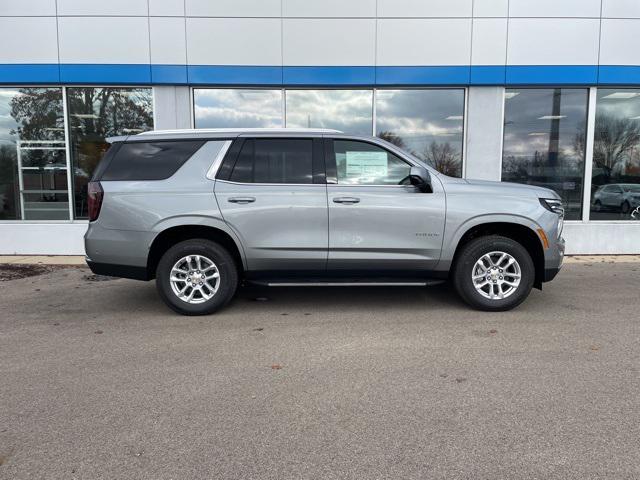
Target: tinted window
x,y
544,141
96,113
237,108
33,166
275,161
149,160
350,111
616,156
361,163
427,123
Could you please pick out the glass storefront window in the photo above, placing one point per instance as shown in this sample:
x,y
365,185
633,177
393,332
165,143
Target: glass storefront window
x,y
237,108
350,111
615,180
95,114
33,166
544,141
427,123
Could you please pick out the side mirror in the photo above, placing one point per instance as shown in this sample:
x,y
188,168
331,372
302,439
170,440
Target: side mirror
x,y
420,178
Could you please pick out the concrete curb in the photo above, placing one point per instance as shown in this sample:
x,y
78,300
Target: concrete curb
x,y
79,259
43,259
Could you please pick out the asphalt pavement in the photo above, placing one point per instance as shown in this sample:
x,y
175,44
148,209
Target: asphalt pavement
x,y
100,380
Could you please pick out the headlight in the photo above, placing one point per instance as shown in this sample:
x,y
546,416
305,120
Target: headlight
x,y
553,205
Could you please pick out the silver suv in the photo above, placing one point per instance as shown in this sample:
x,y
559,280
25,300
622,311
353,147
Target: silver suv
x,y
203,210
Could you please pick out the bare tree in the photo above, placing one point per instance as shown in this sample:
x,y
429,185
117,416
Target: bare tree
x,y
615,140
391,137
443,158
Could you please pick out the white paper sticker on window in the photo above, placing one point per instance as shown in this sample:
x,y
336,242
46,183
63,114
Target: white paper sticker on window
x,y
366,164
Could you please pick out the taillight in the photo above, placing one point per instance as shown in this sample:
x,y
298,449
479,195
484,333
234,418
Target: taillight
x,y
94,199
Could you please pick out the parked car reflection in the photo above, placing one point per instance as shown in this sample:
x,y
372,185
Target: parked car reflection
x,y
619,197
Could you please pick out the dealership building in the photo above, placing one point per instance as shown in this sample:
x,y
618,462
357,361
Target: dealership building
x,y
545,92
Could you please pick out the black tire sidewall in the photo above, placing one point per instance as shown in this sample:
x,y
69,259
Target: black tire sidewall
x,y
625,207
224,262
467,260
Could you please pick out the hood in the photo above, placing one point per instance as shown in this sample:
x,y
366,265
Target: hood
x,y
500,188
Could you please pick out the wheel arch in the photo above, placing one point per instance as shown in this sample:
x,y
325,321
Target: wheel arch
x,y
174,234
518,232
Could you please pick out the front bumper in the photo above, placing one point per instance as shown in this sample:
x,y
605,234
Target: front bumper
x,y
554,260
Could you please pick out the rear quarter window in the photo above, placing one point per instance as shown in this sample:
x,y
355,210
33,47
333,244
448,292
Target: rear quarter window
x,y
149,160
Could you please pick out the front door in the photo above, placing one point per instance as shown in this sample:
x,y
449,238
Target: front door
x,y
275,199
378,222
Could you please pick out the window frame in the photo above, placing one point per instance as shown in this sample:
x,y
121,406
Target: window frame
x,y
332,167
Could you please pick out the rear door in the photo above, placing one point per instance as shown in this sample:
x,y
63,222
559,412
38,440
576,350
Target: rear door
x,y
272,192
377,221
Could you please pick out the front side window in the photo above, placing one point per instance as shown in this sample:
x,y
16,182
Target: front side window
x,y
33,165
361,163
95,114
544,141
350,111
615,181
426,123
237,108
266,160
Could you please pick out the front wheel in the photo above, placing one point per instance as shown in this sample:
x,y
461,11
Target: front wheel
x,y
196,277
493,273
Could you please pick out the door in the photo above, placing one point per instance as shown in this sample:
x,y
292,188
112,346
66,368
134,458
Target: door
x,y
275,199
378,222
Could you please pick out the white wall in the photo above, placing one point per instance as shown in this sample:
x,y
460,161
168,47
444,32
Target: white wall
x,y
36,238
327,32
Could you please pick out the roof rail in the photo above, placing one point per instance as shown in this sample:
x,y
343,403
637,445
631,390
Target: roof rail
x,y
239,130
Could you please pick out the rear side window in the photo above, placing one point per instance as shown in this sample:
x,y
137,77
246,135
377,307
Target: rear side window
x,y
288,160
149,160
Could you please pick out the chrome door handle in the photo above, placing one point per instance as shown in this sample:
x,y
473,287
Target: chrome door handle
x,y
242,200
346,200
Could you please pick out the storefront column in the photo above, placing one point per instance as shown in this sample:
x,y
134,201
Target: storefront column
x,y
172,108
484,123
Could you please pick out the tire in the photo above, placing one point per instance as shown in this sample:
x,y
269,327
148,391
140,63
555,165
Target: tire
x,y
597,206
625,207
210,294
490,249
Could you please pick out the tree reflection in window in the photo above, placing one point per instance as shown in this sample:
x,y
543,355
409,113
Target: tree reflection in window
x,y
426,123
615,192
95,114
32,127
544,141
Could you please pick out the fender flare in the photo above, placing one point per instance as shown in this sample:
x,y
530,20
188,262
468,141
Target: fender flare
x,y
199,221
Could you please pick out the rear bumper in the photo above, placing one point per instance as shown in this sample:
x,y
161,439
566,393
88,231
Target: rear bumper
x,y
121,271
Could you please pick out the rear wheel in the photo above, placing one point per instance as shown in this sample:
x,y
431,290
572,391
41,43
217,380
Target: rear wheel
x,y
196,277
493,273
626,207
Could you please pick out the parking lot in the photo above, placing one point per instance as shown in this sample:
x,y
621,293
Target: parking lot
x,y
101,380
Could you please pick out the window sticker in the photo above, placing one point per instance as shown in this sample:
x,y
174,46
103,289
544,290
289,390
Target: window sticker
x,y
366,165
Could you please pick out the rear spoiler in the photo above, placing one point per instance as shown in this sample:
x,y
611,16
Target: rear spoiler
x,y
121,138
